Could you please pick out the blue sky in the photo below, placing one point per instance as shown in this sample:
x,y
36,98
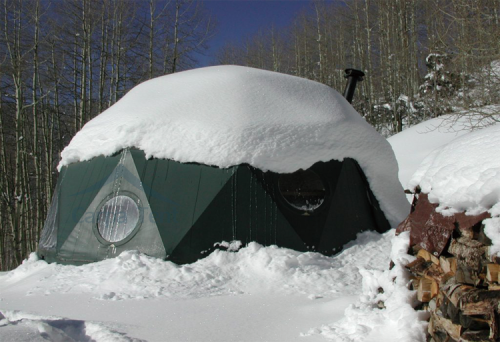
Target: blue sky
x,y
238,19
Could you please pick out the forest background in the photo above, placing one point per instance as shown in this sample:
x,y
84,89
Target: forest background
x,y
64,62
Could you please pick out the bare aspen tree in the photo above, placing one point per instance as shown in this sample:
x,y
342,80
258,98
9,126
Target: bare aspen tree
x,y
297,49
275,50
319,9
103,54
176,39
157,30
36,155
13,21
4,182
83,56
192,28
152,19
368,63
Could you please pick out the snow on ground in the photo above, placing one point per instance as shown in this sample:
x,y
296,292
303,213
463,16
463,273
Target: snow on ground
x,y
256,294
19,326
229,115
384,311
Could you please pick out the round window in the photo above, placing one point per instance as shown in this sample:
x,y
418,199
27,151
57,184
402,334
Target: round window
x,y
303,190
118,218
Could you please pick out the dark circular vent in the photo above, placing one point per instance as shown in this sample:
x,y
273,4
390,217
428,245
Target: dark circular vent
x,y
303,190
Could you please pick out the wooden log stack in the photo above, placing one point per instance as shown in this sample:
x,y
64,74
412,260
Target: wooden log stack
x,y
456,278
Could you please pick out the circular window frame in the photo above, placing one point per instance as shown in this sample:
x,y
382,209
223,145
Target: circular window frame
x,y
134,231
296,210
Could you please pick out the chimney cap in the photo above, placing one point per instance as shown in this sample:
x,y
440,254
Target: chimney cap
x,y
354,73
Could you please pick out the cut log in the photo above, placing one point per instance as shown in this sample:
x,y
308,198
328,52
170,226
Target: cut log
x,y
414,283
454,330
466,275
434,289
492,271
418,266
471,335
434,272
440,336
453,289
456,292
452,313
494,287
479,308
415,262
433,304
469,243
494,336
439,298
474,323
425,289
430,327
427,256
469,252
472,302
448,265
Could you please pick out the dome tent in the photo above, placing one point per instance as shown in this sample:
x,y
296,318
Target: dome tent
x,y
186,161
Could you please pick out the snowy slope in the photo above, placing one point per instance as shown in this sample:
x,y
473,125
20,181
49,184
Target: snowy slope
x,y
464,175
229,115
415,143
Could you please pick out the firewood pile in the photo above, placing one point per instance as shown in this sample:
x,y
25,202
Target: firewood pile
x,y
456,279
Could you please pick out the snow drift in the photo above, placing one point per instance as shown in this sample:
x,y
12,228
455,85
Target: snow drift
x,y
464,175
257,293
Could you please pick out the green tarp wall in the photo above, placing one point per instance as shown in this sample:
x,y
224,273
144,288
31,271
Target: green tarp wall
x,y
186,208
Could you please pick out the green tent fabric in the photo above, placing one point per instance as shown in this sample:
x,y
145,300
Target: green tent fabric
x,y
183,211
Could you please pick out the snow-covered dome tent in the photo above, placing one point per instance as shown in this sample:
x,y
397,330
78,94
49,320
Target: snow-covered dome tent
x,y
189,160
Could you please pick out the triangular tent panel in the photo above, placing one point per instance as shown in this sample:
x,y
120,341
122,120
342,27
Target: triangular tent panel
x,y
88,241
242,211
351,210
178,193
